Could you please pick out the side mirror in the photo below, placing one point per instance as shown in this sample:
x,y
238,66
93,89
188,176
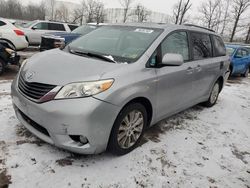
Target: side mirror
x,y
34,27
172,59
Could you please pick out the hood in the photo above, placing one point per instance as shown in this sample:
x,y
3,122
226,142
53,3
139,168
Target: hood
x,y
62,34
57,67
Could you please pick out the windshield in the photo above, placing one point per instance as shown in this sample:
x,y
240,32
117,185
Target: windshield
x,y
230,50
27,25
122,43
85,29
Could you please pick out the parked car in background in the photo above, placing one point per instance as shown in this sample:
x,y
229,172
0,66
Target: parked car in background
x,y
239,59
35,29
105,88
12,35
8,56
59,39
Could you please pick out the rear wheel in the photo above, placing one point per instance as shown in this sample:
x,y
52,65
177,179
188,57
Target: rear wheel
x,y
246,73
213,95
128,129
2,67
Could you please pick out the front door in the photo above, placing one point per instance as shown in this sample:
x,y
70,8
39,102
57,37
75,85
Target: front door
x,y
174,89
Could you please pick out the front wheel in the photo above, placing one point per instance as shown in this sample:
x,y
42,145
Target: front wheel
x,y
213,96
128,129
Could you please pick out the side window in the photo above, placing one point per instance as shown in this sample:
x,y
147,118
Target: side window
x,y
72,27
56,26
201,44
2,23
244,52
219,47
239,54
176,43
41,26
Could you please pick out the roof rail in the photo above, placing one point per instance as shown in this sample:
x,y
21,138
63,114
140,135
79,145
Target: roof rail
x,y
56,21
193,25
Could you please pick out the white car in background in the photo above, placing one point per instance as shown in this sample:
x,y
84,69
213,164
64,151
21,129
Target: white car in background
x,y
12,34
35,29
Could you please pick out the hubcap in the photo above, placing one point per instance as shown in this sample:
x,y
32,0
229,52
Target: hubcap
x,y
214,93
130,129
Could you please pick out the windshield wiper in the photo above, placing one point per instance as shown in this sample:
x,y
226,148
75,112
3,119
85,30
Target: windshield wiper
x,y
90,54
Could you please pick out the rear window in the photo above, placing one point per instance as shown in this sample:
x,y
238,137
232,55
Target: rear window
x,y
219,47
56,26
2,23
201,45
72,27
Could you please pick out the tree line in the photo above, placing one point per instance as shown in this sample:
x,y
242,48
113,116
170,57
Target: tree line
x,y
226,17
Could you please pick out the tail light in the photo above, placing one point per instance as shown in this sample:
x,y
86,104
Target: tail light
x,y
19,32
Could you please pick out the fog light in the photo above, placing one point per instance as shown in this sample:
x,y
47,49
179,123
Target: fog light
x,y
83,140
79,138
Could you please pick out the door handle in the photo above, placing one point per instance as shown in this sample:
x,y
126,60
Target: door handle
x,y
190,70
221,65
198,68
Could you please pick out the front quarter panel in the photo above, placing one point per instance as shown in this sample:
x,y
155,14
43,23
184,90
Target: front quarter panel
x,y
131,82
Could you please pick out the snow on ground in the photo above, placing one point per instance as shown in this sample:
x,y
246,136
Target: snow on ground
x,y
200,147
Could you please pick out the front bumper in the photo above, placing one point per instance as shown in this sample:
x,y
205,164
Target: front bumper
x,y
89,117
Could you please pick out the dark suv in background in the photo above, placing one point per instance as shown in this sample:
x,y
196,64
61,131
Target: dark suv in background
x,y
59,39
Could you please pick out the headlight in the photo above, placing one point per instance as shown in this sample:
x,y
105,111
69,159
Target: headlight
x,y
84,89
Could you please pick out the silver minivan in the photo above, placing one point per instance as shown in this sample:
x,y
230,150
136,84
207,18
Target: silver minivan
x,y
104,89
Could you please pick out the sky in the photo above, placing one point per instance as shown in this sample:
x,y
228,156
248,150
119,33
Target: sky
x,y
163,6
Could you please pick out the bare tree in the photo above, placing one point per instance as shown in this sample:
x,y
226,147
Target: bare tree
x,y
226,17
90,11
126,5
180,9
62,13
141,12
239,7
14,9
211,13
247,41
79,13
52,4
99,12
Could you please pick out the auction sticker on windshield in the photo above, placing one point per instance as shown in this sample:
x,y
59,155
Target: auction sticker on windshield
x,y
144,30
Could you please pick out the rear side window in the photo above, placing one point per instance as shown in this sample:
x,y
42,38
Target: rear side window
x,y
176,43
201,45
219,47
2,23
241,53
56,26
72,27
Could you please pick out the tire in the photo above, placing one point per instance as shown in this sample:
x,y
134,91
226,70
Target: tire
x,y
246,73
126,135
2,67
10,44
213,95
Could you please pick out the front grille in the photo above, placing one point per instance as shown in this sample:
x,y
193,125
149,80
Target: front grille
x,y
47,43
34,124
33,90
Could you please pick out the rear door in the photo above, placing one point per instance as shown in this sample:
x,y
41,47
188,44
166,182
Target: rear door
x,y
39,29
56,27
174,89
207,67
